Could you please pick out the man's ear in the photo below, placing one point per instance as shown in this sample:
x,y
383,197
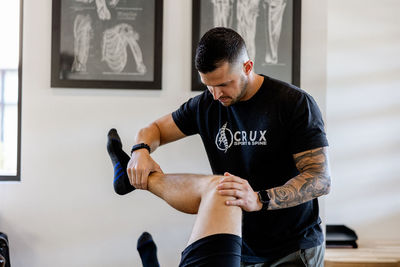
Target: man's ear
x,y
248,66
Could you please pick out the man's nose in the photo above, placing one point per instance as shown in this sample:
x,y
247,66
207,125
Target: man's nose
x,y
216,93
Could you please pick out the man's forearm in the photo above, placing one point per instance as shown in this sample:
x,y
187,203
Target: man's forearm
x,y
312,182
149,135
298,190
160,132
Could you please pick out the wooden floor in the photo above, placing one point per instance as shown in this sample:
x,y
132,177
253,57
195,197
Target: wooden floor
x,y
371,254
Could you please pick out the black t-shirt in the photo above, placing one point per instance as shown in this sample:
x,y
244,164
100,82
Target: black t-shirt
x,y
256,140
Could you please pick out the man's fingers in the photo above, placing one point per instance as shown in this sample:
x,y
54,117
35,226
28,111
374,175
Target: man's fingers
x,y
233,193
137,179
131,176
139,168
229,185
143,181
237,202
140,179
231,179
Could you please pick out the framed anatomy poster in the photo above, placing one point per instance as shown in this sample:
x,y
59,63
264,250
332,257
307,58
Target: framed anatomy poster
x,y
270,29
107,44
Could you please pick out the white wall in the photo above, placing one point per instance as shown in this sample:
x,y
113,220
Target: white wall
x,y
64,211
363,116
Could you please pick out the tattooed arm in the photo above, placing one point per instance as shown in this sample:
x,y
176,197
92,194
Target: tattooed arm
x,y
313,181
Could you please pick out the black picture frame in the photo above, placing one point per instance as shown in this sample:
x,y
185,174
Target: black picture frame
x,y
203,19
117,45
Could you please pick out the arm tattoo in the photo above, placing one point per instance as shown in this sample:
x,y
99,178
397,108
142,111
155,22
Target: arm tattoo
x,y
312,182
284,194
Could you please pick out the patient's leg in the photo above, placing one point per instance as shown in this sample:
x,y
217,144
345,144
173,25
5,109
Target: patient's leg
x,y
216,235
183,192
214,217
174,188
195,193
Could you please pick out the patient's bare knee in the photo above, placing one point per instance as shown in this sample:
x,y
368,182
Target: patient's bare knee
x,y
210,189
209,184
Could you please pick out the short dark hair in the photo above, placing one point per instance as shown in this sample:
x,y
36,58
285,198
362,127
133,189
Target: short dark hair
x,y
218,45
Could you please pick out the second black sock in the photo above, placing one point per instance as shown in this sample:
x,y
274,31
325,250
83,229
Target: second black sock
x,y
147,250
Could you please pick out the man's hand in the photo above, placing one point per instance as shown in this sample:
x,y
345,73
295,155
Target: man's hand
x,y
239,188
139,168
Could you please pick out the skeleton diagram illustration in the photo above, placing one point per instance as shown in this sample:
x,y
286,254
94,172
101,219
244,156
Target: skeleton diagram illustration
x,y
102,10
82,34
223,13
246,14
274,9
115,42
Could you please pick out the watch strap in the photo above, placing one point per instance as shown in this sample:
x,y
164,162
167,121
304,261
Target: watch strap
x,y
140,146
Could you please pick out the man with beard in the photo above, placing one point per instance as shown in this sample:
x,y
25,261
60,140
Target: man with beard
x,y
265,136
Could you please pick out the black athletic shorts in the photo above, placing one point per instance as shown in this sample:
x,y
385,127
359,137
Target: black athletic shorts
x,y
213,251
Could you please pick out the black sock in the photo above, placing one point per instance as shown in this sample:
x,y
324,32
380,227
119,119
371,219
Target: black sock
x,y
120,161
147,250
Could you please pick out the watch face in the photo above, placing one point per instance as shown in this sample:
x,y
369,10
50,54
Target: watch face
x,y
264,196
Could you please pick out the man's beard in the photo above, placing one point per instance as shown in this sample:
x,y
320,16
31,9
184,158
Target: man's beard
x,y
244,81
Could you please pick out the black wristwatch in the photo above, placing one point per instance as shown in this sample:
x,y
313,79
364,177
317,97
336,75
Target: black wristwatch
x,y
140,146
264,199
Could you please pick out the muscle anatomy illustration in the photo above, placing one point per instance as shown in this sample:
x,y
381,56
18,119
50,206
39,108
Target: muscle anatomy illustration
x,y
223,13
274,10
114,52
246,14
82,35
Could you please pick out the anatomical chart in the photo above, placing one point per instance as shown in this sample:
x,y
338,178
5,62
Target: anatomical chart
x,y
265,25
107,40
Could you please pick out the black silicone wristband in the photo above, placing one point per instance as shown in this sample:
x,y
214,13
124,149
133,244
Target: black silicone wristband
x,y
140,146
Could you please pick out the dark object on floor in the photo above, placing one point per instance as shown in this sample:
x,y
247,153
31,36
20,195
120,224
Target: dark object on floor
x,y
4,251
340,236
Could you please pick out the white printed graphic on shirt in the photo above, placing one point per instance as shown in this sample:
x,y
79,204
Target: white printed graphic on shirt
x,y
225,138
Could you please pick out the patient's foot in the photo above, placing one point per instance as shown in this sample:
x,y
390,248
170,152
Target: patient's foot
x,y
147,250
120,161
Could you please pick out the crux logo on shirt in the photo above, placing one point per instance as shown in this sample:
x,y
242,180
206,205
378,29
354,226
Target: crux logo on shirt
x,y
226,138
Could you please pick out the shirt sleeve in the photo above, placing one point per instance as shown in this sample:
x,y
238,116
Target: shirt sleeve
x,y
306,127
185,117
